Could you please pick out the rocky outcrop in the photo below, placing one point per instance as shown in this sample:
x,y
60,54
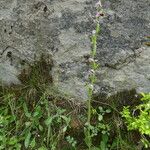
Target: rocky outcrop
x,y
61,29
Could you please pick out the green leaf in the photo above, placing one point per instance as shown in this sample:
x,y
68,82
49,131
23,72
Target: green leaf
x,y
42,148
114,144
100,117
100,108
64,129
108,111
105,138
95,148
27,140
2,147
37,112
48,121
13,140
40,128
104,132
87,139
27,114
102,146
32,144
18,146
28,123
66,119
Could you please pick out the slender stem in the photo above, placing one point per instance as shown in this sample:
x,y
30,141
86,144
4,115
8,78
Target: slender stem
x,y
49,126
89,111
92,75
89,122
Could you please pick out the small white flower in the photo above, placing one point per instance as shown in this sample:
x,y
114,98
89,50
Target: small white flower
x,y
91,60
91,87
92,71
94,32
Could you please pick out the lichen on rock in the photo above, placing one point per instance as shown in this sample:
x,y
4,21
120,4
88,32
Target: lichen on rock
x,y
62,30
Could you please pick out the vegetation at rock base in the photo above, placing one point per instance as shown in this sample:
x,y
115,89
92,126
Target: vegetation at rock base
x,y
140,119
48,122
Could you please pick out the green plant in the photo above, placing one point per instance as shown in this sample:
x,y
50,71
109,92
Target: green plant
x,y
100,128
71,141
92,76
7,119
121,139
104,128
57,123
54,127
32,125
139,119
25,126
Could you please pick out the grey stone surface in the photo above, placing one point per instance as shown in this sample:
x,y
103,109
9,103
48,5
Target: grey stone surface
x,y
61,29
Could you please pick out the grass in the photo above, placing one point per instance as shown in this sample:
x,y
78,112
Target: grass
x,y
34,116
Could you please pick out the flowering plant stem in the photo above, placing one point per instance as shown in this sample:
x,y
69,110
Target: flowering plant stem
x,y
92,76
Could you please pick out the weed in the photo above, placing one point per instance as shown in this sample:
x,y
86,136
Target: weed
x,y
71,141
139,119
7,121
92,77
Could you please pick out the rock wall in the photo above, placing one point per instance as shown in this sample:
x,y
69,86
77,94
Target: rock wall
x,y
61,29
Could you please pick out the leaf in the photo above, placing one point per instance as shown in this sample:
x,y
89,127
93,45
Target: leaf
x,y
40,128
105,138
66,119
145,97
32,144
42,148
2,147
102,146
27,140
114,144
100,117
100,108
64,129
103,132
87,139
28,123
27,114
37,112
13,140
93,111
18,146
48,121
108,111
60,111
